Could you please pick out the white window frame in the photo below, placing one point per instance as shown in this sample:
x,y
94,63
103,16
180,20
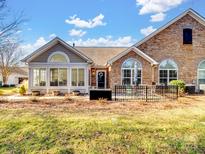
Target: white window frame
x,y
132,69
39,74
58,53
58,76
168,70
77,76
198,70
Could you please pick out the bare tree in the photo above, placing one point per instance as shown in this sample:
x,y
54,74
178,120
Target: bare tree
x,y
9,59
9,51
9,24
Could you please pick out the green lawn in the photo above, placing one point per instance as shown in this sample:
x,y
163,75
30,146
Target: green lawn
x,y
8,90
96,127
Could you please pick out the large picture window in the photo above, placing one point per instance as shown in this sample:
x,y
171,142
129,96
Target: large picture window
x,y
201,73
168,71
78,77
39,77
58,77
131,72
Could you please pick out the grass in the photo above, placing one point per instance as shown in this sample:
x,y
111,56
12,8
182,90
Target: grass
x,y
92,127
8,90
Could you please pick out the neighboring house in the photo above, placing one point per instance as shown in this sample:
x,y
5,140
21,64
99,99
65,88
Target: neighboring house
x,y
174,51
17,76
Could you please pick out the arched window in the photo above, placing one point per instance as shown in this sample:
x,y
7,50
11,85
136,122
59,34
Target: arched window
x,y
201,73
58,57
168,71
131,72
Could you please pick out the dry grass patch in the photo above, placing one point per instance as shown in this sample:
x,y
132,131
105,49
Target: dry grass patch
x,y
71,126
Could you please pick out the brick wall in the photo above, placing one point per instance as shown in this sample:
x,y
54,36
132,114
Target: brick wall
x,y
168,44
115,73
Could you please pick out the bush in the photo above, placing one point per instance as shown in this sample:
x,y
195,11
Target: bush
x,y
180,84
25,83
22,90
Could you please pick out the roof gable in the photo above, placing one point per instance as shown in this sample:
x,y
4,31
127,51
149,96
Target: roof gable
x,y
190,12
137,51
51,44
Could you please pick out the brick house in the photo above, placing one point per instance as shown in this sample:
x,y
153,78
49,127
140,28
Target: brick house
x,y
174,51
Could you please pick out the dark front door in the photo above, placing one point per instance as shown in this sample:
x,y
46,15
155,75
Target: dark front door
x,y
101,79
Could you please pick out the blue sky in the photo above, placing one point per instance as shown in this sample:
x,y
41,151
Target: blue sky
x,y
96,22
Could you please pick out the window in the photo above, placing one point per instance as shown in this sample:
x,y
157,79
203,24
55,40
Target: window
x,y
167,71
78,77
201,73
187,36
39,77
58,77
58,57
131,72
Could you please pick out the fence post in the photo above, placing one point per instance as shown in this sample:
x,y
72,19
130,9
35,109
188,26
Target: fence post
x,y
146,90
177,92
115,93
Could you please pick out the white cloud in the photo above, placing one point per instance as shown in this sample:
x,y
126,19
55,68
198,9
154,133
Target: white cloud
x,y
28,48
29,29
18,32
104,41
157,6
147,31
91,23
101,41
157,17
78,33
52,35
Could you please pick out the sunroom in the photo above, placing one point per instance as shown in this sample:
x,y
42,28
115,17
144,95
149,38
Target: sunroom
x,y
58,68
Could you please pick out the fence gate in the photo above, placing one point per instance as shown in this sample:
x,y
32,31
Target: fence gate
x,y
145,93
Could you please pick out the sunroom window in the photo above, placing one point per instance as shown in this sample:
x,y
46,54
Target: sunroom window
x,y
39,77
167,71
131,72
78,77
58,77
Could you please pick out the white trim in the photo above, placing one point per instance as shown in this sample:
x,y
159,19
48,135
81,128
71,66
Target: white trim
x,y
61,87
85,73
141,69
197,82
58,65
51,44
190,12
177,69
32,83
58,53
68,87
105,78
137,51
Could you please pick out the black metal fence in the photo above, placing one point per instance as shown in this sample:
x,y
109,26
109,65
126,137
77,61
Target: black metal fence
x,y
145,93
